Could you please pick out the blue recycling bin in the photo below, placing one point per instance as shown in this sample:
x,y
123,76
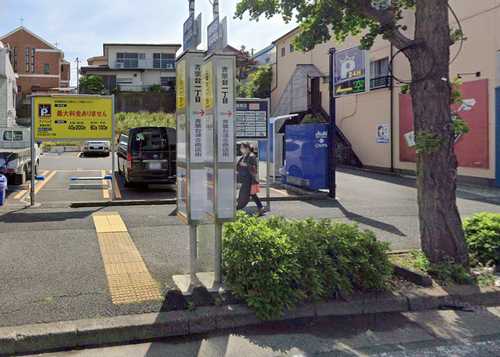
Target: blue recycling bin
x,y
3,189
306,155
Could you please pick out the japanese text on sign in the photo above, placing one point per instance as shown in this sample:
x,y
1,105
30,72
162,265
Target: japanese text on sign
x,y
208,95
251,118
73,117
225,97
197,125
181,85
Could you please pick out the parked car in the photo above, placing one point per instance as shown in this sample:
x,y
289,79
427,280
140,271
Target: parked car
x,y
96,147
147,155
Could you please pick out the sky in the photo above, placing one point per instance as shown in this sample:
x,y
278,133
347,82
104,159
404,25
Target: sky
x,y
80,27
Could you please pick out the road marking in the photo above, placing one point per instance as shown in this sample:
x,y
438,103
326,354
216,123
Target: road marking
x,y
41,184
23,193
118,193
105,190
280,191
129,280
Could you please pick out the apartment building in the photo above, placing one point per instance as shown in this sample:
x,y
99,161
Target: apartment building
x,y
301,83
40,65
134,67
8,89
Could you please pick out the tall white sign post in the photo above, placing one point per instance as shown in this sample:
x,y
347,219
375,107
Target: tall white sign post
x,y
206,175
219,106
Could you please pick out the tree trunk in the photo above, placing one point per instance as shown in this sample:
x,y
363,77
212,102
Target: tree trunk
x,y
441,231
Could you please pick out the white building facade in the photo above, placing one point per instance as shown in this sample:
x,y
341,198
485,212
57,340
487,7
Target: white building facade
x,y
8,90
135,67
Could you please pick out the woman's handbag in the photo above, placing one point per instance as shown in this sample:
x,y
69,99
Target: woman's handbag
x,y
254,189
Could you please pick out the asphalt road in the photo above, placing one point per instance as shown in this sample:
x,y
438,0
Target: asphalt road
x,y
420,334
53,267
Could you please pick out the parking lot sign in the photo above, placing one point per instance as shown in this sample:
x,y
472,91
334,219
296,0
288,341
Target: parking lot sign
x,y
72,117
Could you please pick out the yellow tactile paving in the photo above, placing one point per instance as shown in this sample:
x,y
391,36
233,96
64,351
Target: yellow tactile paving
x,y
128,277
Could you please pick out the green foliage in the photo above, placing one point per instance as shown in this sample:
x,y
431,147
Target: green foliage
x,y
91,84
405,89
277,263
259,83
427,143
448,272
319,19
125,121
482,232
261,266
460,126
155,88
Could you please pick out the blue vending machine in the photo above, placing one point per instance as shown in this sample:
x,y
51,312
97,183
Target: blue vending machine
x,y
306,156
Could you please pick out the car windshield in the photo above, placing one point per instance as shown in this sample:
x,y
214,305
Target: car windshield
x,y
149,140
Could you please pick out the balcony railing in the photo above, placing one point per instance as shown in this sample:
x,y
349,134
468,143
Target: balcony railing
x,y
380,82
144,64
139,88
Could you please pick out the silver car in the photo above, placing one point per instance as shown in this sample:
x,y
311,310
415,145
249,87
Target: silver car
x,y
96,147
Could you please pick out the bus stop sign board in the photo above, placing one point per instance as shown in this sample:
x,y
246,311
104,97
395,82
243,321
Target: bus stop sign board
x,y
73,117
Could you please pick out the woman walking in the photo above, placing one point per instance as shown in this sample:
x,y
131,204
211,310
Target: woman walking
x,y
247,177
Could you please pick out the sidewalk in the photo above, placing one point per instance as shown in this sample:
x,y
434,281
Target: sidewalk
x,y
54,269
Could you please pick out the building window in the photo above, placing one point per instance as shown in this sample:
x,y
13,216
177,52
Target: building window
x,y
164,60
27,59
128,60
283,52
15,59
46,68
122,81
379,73
292,48
32,60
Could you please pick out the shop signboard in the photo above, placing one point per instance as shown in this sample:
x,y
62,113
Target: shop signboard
x,y
351,72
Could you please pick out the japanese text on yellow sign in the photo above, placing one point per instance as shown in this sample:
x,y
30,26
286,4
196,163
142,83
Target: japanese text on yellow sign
x,y
73,117
208,89
181,85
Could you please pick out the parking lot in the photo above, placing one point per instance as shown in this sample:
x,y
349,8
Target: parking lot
x,y
65,182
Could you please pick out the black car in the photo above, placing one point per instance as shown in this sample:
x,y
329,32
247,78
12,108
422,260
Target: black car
x,y
148,156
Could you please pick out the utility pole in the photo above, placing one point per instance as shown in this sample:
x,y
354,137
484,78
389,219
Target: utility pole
x,y
77,75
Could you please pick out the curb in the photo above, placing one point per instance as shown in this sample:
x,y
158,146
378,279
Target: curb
x,y
173,201
144,327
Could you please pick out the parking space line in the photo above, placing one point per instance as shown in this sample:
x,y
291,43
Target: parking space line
x,y
105,189
23,193
41,184
129,280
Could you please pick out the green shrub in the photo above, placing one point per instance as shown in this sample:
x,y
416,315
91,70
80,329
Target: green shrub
x,y
449,272
482,232
275,264
260,265
125,121
361,256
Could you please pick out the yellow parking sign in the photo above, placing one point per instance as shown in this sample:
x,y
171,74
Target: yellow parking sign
x,y
73,117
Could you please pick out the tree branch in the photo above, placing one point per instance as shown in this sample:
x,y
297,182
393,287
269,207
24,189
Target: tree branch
x,y
388,23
